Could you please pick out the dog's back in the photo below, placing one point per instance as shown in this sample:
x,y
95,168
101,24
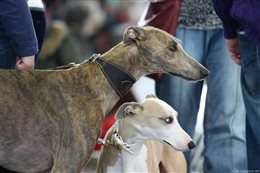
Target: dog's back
x,y
36,114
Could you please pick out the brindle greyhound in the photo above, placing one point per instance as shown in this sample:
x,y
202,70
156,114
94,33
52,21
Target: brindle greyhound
x,y
51,119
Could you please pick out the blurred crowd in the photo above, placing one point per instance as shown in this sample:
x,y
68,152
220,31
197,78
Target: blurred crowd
x,y
77,29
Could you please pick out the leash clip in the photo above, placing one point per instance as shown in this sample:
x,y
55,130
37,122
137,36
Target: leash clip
x,y
116,141
94,57
120,143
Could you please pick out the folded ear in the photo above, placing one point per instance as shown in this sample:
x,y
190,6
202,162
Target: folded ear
x,y
127,109
134,34
151,96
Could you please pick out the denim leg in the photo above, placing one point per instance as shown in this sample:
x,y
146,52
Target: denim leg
x,y
7,54
224,123
182,95
250,82
224,118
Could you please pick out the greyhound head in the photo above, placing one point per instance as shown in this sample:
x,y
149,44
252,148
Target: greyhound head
x,y
153,120
162,52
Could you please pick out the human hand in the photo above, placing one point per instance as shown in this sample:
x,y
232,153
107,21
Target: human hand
x,y
25,63
234,50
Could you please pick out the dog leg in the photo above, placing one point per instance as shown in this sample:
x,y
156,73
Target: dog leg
x,y
69,162
177,161
65,167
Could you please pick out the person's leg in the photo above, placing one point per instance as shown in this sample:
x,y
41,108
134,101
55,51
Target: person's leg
x,y
250,82
182,95
7,54
39,23
224,117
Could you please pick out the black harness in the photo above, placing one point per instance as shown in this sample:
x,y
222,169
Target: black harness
x,y
119,79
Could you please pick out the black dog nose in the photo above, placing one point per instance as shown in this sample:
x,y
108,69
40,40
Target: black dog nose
x,y
204,73
191,145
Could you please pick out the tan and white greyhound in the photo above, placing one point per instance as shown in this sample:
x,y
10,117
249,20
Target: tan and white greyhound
x,y
126,146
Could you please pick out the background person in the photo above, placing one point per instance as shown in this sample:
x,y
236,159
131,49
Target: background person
x,y
201,34
18,42
242,32
59,46
39,20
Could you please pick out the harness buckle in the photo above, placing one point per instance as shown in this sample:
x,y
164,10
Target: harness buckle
x,y
94,57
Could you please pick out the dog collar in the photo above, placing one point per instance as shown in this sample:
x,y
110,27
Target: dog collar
x,y
119,79
116,142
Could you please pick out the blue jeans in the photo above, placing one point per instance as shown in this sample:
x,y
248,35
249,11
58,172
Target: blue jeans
x,y
7,54
224,118
250,82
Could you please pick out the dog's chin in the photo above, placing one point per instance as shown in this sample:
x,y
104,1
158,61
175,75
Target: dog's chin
x,y
169,144
176,148
187,78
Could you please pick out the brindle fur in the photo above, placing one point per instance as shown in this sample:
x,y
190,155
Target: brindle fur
x,y
51,119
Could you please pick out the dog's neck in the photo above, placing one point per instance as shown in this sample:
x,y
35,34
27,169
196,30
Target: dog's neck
x,y
128,58
126,161
125,56
134,142
118,78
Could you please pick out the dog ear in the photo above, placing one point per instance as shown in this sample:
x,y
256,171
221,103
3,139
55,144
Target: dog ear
x,y
121,111
134,34
150,96
127,109
133,109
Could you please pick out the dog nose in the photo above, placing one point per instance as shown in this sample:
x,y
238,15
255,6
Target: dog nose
x,y
191,145
204,73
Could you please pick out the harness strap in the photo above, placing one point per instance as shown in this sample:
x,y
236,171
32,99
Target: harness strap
x,y
119,79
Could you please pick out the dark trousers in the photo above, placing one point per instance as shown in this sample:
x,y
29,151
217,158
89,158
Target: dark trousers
x,y
39,23
7,53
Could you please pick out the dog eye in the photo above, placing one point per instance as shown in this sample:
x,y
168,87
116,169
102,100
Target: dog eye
x,y
173,46
168,120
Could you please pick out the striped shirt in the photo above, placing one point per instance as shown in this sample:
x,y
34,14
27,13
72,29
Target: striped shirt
x,y
198,14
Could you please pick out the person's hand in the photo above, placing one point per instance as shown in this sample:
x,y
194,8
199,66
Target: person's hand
x,y
25,63
234,50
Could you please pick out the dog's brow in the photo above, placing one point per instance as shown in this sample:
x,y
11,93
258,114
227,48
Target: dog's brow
x,y
177,40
